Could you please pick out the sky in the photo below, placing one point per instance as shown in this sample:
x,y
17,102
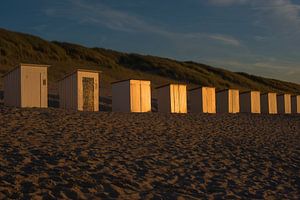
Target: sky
x,y
260,37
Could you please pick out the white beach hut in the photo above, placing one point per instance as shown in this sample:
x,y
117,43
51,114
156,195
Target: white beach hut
x,y
284,104
26,86
202,100
296,104
250,102
79,90
269,103
228,101
172,98
131,96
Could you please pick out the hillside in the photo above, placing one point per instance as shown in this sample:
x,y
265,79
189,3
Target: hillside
x,y
65,57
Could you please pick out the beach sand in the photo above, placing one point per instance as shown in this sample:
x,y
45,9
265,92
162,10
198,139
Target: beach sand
x,y
56,154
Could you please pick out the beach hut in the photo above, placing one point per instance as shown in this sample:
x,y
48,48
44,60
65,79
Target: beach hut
x,y
79,90
284,104
26,86
228,101
250,102
296,104
202,100
269,103
131,96
172,98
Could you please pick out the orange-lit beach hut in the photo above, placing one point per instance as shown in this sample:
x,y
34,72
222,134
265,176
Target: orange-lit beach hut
x,y
228,101
172,98
26,86
79,90
250,102
202,100
131,96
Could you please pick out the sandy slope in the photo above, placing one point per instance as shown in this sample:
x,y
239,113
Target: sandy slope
x,y
56,154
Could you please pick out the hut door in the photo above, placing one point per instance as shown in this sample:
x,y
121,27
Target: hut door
x,y
175,104
182,99
88,93
135,97
234,101
145,97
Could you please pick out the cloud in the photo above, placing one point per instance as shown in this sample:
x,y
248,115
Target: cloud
x,y
98,14
226,39
283,15
261,66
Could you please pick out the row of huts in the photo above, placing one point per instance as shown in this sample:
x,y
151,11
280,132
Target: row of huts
x,y
26,86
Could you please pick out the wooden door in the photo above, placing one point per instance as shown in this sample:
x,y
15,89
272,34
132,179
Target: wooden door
x,y
145,96
182,99
135,96
88,93
174,89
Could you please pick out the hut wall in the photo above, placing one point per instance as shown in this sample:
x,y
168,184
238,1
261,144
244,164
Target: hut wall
x,y
121,97
178,98
234,101
34,87
140,96
12,88
68,92
164,99
296,104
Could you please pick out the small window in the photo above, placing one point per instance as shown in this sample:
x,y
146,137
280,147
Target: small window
x,y
44,82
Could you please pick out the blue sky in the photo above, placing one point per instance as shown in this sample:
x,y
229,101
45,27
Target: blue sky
x,y
260,37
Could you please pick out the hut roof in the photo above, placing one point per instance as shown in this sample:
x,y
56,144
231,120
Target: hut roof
x,y
79,70
165,85
25,65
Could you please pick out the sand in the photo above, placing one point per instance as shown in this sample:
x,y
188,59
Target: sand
x,y
51,154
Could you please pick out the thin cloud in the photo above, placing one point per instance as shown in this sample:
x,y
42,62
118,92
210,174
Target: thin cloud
x,y
226,39
99,14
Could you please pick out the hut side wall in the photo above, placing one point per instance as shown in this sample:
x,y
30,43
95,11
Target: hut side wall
x,y
196,103
95,77
222,102
12,88
296,104
164,99
68,93
121,97
284,104
245,102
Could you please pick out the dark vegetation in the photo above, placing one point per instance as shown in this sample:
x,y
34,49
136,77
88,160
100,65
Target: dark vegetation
x,y
65,57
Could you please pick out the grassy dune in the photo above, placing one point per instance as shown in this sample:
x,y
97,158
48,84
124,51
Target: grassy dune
x,y
65,57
